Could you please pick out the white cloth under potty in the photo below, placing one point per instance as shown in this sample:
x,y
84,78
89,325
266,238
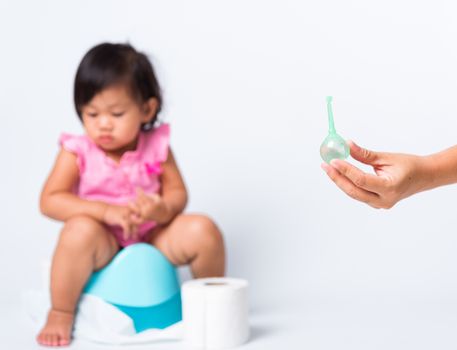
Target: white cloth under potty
x,y
99,321
215,316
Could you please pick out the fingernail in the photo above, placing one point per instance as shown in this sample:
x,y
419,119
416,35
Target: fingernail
x,y
351,142
324,167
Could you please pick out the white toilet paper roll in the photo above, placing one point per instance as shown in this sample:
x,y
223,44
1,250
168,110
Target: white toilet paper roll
x,y
215,312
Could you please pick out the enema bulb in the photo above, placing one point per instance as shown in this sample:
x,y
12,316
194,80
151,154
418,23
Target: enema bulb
x,y
334,146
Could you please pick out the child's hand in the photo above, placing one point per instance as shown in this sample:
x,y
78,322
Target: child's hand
x,y
148,208
123,216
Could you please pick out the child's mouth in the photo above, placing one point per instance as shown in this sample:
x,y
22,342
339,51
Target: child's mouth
x,y
105,139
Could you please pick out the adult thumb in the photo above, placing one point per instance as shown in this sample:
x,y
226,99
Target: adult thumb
x,y
363,155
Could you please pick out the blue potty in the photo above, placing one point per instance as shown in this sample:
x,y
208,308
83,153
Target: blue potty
x,y
143,284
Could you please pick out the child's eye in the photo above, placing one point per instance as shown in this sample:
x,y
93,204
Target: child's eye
x,y
92,115
118,114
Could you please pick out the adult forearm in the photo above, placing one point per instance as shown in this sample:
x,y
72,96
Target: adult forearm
x,y
441,167
63,206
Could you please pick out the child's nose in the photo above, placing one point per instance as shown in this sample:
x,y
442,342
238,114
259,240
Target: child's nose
x,y
105,122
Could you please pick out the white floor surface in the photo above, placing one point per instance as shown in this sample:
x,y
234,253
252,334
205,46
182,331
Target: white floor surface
x,y
317,323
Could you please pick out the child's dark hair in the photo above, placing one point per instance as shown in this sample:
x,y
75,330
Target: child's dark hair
x,y
109,64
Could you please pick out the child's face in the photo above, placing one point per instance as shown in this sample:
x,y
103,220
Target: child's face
x,y
113,119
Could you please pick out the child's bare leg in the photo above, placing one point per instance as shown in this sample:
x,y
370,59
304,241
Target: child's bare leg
x,y
194,240
84,246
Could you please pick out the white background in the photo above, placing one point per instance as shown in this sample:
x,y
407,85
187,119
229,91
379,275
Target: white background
x,y
244,87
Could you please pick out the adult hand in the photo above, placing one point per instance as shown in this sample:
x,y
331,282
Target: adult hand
x,y
117,215
397,176
149,207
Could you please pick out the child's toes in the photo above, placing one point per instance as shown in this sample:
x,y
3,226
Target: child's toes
x,y
44,339
47,339
40,339
54,340
64,341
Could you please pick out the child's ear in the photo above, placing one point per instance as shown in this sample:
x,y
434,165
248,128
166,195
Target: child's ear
x,y
150,109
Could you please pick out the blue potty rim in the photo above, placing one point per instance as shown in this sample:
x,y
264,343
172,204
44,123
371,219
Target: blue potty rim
x,y
138,276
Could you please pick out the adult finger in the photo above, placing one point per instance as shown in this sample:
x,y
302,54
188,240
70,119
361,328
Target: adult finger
x,y
369,182
349,188
363,155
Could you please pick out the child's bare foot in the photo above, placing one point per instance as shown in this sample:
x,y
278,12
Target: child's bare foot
x,y
57,330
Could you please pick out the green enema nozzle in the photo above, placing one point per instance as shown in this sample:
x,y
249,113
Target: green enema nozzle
x,y
334,146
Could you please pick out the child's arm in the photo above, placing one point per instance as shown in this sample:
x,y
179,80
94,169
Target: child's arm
x,y
60,203
172,199
57,199
397,175
173,190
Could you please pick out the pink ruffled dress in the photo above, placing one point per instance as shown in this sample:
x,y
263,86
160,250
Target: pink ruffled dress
x,y
102,179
